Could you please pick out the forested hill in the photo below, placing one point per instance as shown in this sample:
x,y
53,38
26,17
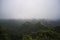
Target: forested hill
x,y
21,21
29,29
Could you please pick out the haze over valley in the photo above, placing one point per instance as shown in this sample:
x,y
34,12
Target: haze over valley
x,y
29,19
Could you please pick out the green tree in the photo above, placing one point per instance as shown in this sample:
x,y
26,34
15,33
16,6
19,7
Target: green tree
x,y
27,37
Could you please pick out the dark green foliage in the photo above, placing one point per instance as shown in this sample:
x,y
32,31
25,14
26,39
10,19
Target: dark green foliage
x,y
47,34
29,31
3,34
57,28
27,37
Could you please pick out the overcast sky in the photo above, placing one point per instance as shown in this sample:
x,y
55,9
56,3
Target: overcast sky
x,y
29,9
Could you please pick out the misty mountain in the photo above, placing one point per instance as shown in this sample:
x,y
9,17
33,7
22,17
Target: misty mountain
x,y
16,29
13,24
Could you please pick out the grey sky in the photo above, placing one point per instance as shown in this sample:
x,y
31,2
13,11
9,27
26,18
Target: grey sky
x,y
29,9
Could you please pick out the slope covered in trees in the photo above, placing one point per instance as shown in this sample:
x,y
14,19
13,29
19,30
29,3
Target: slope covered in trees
x,y
28,30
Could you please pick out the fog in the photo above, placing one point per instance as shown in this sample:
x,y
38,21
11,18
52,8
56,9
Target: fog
x,y
30,9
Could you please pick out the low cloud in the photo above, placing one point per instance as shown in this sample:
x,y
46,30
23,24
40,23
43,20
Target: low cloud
x,y
29,9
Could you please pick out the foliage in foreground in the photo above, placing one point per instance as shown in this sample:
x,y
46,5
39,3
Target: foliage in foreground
x,y
49,34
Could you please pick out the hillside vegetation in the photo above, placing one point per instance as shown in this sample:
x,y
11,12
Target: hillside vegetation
x,y
29,30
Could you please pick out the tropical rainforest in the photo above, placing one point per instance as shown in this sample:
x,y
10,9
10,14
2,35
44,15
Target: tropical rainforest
x,y
30,29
